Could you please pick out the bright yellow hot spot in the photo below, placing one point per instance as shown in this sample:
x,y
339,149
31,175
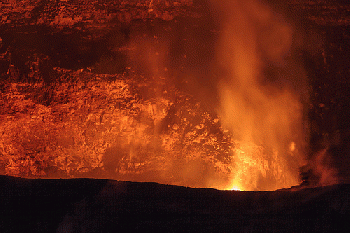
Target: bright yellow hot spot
x,y
236,188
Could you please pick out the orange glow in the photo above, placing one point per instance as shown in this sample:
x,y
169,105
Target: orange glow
x,y
265,117
102,129
132,127
236,188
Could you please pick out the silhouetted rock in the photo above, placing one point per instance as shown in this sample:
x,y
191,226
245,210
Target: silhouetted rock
x,y
87,205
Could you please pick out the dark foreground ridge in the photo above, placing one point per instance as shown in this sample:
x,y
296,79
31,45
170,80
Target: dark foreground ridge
x,y
90,205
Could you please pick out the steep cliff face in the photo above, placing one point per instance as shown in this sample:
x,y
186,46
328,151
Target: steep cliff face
x,y
97,106
71,12
107,89
75,34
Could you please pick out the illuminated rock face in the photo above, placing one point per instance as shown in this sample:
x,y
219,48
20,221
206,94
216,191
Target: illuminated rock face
x,y
161,91
105,129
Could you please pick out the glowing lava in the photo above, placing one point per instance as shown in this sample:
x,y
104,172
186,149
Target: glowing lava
x,y
236,188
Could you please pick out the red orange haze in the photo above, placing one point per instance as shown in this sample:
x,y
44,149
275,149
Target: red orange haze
x,y
145,129
259,112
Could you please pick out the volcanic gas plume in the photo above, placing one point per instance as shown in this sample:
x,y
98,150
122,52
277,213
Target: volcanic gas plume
x,y
260,97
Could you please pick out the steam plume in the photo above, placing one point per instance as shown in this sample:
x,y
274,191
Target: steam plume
x,y
258,102
239,61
